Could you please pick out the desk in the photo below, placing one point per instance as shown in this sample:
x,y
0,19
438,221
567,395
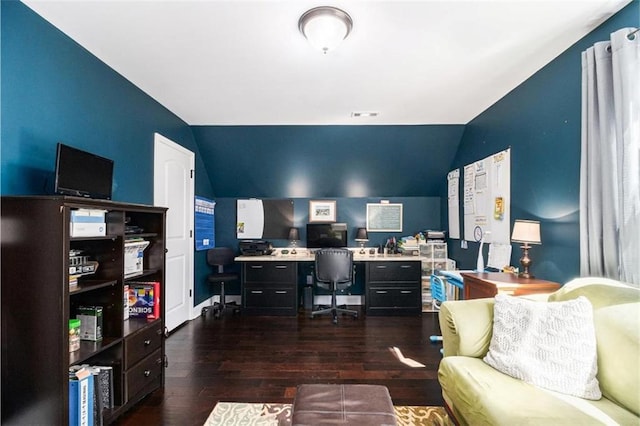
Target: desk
x,y
487,284
392,283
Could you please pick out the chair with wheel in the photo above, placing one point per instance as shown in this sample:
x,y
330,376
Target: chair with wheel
x,y
220,258
334,272
438,295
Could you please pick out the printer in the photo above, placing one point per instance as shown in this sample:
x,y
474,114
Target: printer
x,y
255,248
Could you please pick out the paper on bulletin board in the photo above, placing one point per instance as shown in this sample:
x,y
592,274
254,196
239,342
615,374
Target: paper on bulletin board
x,y
487,199
250,219
453,197
204,213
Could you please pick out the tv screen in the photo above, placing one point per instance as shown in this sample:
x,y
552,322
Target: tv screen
x,y
321,235
82,174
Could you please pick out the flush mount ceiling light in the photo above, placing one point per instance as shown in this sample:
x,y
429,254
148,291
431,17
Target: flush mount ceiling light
x,y
356,114
325,27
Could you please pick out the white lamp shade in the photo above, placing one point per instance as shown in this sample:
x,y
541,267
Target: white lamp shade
x,y
526,231
325,27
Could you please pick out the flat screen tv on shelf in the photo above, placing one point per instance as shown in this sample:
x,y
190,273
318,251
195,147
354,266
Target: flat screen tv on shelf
x,y
82,174
322,235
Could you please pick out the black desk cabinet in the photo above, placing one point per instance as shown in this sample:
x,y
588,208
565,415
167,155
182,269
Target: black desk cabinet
x,y
269,288
393,288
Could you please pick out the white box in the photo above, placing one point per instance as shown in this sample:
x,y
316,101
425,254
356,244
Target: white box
x,y
88,215
84,229
134,257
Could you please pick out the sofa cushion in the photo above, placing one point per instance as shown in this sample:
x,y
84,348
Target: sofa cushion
x,y
480,395
617,330
617,322
551,345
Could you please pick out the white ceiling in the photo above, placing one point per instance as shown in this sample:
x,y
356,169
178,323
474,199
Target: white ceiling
x,y
239,62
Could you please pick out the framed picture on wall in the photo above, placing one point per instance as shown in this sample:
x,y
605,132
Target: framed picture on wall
x,y
384,217
322,211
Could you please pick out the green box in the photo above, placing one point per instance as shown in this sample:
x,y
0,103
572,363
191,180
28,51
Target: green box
x,y
91,322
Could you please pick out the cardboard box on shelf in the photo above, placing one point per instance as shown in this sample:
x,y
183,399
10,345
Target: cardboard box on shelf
x,y
134,257
90,322
144,300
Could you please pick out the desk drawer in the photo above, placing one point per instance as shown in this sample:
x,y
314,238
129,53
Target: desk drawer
x,y
142,343
261,272
284,298
143,374
394,271
394,301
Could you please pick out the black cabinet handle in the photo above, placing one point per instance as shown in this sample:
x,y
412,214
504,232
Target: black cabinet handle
x,y
147,342
147,373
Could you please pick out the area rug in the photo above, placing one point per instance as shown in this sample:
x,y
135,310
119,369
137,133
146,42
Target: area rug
x,y
236,413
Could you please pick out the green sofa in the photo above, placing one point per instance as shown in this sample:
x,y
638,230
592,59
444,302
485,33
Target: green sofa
x,y
477,394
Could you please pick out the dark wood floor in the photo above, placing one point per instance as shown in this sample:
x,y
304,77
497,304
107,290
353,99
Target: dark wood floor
x,y
263,359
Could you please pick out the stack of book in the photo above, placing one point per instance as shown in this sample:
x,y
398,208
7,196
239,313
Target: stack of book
x,y
90,392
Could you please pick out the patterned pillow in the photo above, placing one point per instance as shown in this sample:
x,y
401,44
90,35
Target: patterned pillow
x,y
547,344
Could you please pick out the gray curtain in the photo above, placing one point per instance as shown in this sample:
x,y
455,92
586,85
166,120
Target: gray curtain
x,y
610,161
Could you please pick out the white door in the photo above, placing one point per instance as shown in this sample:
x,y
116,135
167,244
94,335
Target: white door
x,y
173,187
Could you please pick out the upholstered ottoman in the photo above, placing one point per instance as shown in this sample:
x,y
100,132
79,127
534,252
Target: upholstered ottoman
x,y
367,405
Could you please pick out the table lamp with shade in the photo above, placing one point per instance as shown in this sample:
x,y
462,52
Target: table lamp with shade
x,y
526,232
294,237
361,238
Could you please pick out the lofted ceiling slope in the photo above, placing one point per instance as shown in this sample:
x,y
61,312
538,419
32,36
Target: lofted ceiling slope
x,y
245,63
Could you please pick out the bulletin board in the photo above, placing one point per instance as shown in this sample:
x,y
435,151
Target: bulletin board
x,y
384,217
257,219
487,199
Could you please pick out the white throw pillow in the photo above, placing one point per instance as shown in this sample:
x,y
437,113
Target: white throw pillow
x,y
547,344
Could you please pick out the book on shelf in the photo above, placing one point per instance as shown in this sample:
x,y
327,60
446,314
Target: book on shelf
x,y
81,397
104,375
144,299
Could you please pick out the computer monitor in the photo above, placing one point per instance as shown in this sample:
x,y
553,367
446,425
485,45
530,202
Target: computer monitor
x,y
322,235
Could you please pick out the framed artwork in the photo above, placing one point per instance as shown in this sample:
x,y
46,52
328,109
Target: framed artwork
x,y
322,211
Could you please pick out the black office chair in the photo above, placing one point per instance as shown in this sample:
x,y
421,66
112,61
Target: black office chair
x,y
218,258
334,271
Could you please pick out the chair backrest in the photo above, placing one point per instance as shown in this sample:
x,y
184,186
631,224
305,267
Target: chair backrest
x,y
438,292
334,265
220,257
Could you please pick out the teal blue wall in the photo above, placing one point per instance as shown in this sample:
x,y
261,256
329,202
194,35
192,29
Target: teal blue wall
x,y
540,121
327,161
53,90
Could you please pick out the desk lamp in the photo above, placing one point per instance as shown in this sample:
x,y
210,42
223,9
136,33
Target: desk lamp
x,y
362,237
526,232
294,237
